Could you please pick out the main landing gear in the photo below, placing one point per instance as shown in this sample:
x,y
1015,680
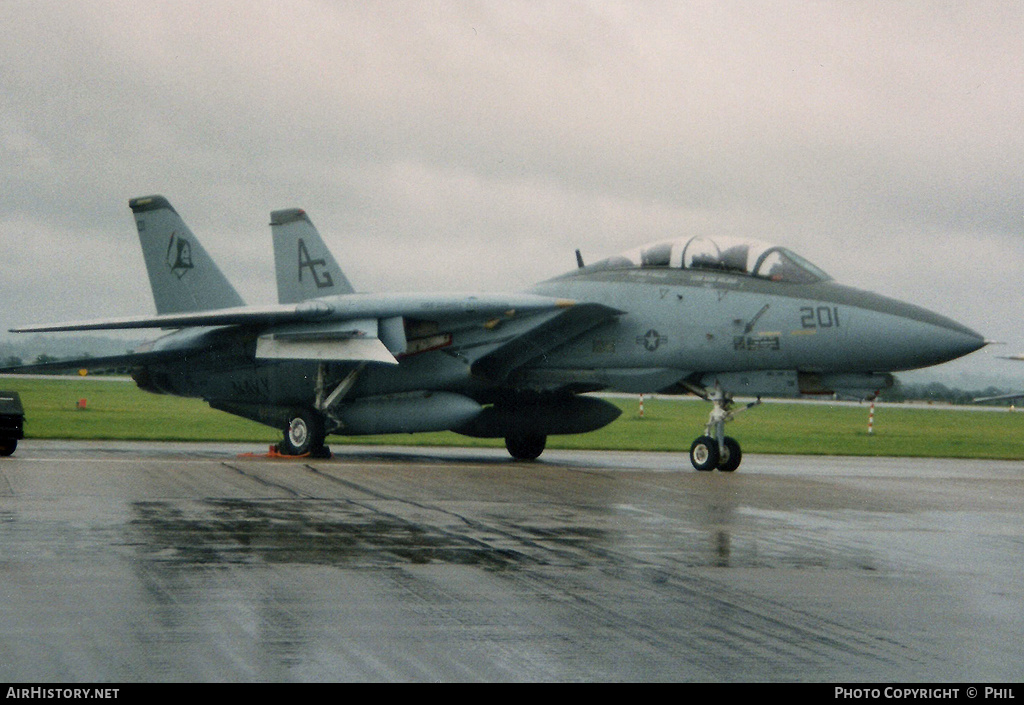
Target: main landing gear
x,y
305,435
525,446
305,430
715,449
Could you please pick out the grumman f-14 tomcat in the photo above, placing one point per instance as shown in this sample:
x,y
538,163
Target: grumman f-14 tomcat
x,y
717,317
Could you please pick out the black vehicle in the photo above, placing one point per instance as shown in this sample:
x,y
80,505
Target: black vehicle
x,y
12,422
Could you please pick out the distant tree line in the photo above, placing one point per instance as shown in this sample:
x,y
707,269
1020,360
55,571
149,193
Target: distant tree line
x,y
938,392
16,361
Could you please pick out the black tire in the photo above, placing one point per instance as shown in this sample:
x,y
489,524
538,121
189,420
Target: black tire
x,y
304,434
8,446
526,446
730,459
704,454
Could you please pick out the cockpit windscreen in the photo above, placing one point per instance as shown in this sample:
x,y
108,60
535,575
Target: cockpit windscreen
x,y
721,254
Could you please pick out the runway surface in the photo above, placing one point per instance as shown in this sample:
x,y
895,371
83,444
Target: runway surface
x,y
131,562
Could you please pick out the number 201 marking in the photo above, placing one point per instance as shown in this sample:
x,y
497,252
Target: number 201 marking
x,y
820,317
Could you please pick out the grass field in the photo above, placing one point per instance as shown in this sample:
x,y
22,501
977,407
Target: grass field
x,y
116,409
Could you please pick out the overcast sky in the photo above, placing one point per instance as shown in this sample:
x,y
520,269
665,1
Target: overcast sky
x,y
475,145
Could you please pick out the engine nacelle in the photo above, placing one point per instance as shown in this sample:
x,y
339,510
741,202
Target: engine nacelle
x,y
410,412
545,416
148,382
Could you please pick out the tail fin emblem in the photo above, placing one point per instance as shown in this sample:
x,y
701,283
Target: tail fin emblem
x,y
322,278
179,255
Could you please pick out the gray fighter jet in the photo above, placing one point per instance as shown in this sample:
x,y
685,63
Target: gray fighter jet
x,y
713,316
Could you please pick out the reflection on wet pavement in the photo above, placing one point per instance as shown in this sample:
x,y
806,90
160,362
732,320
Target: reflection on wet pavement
x,y
323,532
158,567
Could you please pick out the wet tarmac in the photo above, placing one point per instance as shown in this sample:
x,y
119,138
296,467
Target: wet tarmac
x,y
130,562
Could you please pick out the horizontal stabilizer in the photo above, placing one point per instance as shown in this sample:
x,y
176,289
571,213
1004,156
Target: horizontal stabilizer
x,y
338,350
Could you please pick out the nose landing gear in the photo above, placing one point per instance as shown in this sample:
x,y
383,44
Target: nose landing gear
x,y
707,453
715,449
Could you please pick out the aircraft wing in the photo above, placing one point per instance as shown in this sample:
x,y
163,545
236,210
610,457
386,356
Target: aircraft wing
x,y
93,364
247,315
365,327
542,337
335,309
1003,397
1000,397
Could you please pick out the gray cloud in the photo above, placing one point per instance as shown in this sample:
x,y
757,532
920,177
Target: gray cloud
x,y
462,145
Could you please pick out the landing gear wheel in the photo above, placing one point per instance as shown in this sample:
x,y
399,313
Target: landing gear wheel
x,y
304,435
526,446
704,454
8,446
730,456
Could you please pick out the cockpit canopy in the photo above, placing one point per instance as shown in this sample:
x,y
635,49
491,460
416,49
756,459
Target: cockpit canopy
x,y
720,254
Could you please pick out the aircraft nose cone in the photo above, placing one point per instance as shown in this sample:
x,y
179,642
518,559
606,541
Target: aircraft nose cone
x,y
938,339
959,341
895,335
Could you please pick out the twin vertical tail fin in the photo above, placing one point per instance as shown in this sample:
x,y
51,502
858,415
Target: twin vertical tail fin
x,y
184,278
182,275
306,269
